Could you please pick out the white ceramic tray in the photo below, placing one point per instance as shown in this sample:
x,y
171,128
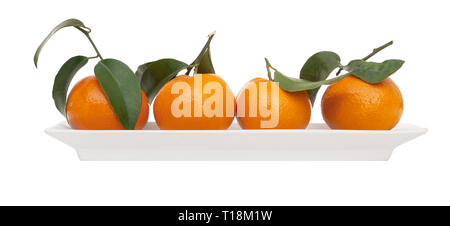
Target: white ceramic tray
x,y
316,143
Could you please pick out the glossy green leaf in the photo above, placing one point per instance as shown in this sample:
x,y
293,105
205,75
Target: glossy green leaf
x,y
317,68
372,72
294,84
122,89
66,23
63,79
154,75
203,61
205,65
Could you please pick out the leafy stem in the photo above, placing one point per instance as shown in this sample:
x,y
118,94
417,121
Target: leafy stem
x,y
67,23
375,51
268,67
202,53
294,84
190,67
86,33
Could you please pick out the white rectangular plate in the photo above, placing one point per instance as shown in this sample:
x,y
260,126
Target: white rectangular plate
x,y
316,143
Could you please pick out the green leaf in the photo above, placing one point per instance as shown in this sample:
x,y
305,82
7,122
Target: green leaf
x,y
155,74
203,62
66,23
122,89
294,84
372,72
205,65
63,79
317,68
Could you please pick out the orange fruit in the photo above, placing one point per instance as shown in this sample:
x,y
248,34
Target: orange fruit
x,y
88,108
200,102
291,111
352,103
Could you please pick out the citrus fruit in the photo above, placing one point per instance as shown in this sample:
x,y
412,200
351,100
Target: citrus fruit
x,y
352,103
88,108
200,102
290,110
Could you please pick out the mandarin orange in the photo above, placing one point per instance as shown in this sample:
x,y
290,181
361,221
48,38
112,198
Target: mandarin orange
x,y
88,108
260,108
200,102
352,103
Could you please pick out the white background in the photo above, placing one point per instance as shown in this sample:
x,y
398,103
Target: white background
x,y
36,169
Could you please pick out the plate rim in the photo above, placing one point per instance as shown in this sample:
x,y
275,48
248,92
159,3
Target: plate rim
x,y
62,127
